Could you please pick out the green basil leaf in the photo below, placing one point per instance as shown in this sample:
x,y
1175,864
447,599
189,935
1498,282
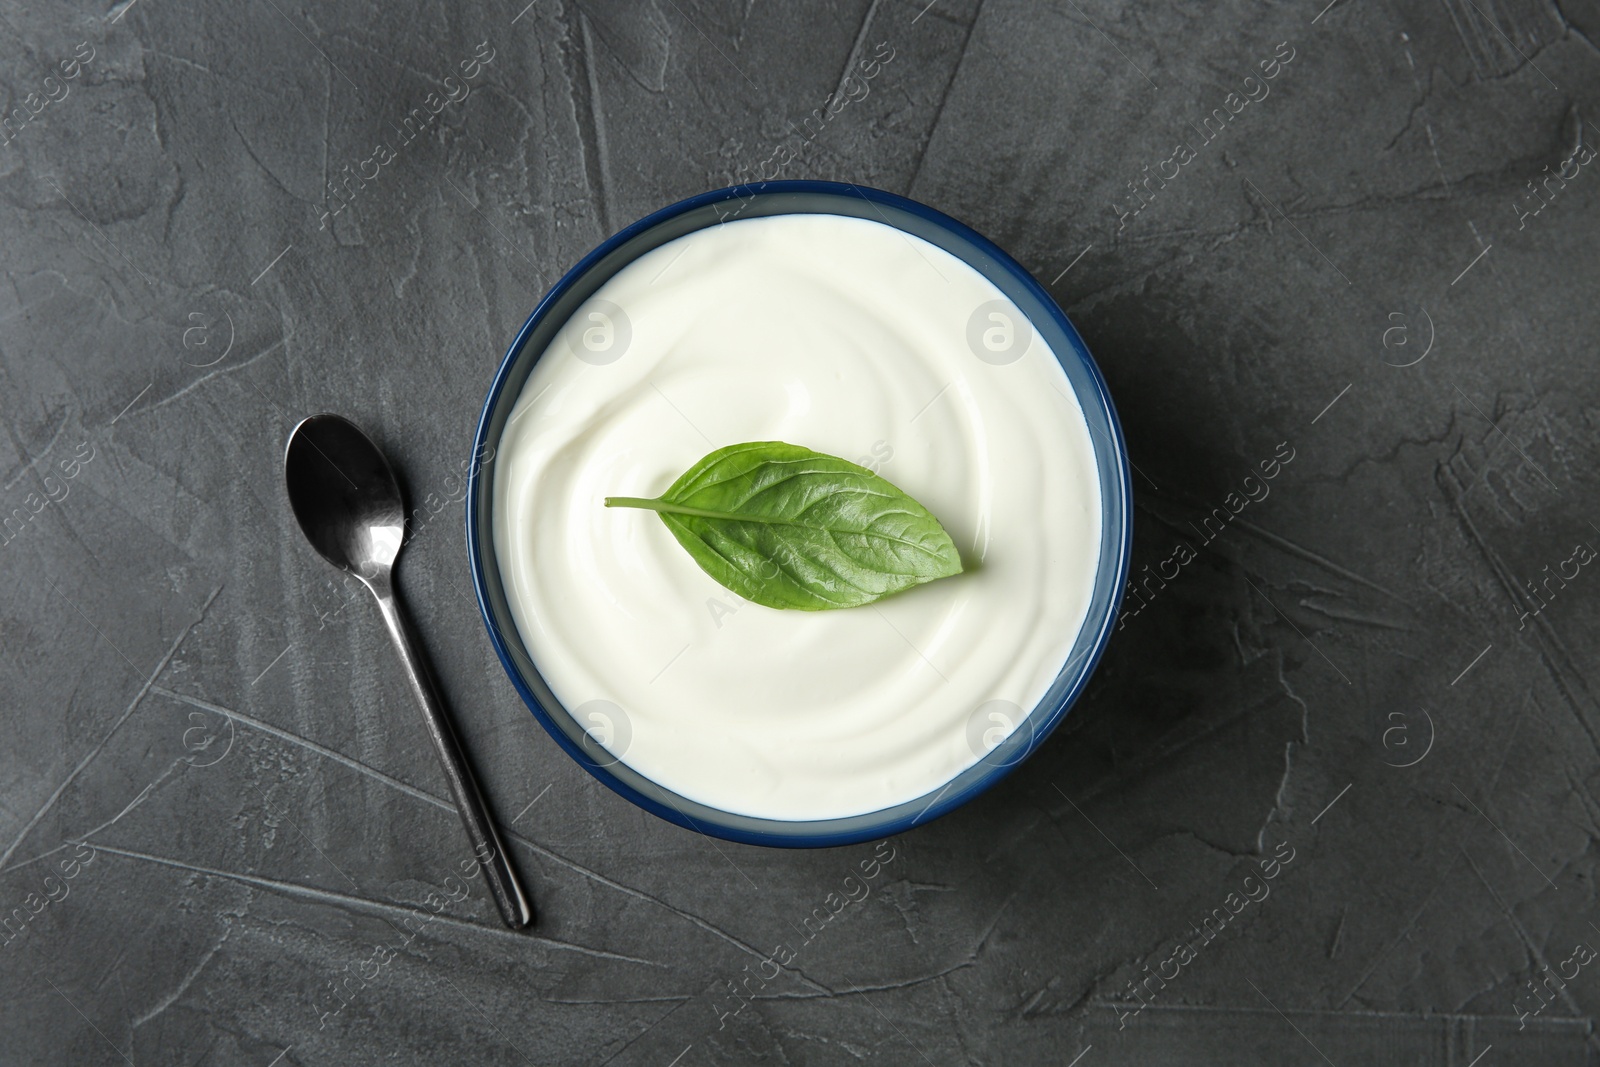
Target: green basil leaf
x,y
787,527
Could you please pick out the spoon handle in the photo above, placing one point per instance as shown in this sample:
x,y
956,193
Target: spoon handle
x,y
486,845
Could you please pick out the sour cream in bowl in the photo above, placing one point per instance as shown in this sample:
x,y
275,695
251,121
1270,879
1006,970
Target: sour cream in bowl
x,y
856,324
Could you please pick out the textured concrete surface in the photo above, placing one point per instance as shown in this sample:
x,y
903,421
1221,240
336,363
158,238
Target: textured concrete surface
x,y
221,833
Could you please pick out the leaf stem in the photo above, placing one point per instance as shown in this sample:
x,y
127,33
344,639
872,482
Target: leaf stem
x,y
634,502
669,508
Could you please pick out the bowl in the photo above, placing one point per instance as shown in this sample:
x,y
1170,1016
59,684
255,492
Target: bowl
x,y
757,201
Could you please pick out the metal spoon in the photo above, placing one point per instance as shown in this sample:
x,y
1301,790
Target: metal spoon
x,y
345,496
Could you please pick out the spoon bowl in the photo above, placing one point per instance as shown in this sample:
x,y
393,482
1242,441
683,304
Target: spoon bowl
x,y
345,495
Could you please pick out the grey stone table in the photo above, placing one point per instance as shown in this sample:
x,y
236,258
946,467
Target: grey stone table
x,y
1331,797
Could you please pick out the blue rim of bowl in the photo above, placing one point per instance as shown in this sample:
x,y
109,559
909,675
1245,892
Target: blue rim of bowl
x,y
808,197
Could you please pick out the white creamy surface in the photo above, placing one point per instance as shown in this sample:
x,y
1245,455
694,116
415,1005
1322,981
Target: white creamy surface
x,y
851,338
